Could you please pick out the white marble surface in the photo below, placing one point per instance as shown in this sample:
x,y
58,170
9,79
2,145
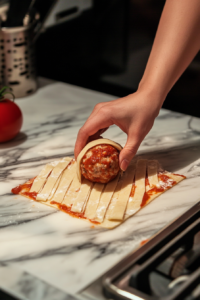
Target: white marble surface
x,y
52,253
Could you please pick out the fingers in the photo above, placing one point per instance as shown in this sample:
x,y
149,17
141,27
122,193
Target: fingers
x,y
97,135
128,152
93,127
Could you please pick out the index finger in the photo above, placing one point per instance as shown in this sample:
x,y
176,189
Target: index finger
x,y
92,127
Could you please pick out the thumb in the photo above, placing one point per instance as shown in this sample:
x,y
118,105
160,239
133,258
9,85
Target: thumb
x,y
128,152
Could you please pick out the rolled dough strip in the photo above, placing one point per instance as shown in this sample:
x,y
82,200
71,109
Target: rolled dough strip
x,y
66,179
79,202
93,201
90,145
121,203
72,191
52,179
135,201
105,199
152,172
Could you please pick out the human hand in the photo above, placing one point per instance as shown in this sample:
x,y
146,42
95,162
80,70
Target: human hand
x,y
134,114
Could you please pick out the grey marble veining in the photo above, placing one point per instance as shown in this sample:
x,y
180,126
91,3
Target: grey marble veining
x,y
60,253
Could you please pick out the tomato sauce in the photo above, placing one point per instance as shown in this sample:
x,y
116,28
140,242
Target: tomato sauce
x,y
23,188
132,190
165,178
146,181
98,155
32,195
155,190
67,209
144,242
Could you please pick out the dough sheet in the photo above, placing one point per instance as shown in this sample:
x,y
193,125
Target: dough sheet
x,y
109,204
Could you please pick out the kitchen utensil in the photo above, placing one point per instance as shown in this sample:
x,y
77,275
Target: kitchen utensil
x,y
16,13
17,69
43,7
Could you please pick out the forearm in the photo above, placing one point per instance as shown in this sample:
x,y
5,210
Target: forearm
x,y
176,43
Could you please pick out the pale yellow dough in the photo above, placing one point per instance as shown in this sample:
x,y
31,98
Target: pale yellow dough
x,y
93,201
52,179
118,210
66,179
109,204
105,199
82,196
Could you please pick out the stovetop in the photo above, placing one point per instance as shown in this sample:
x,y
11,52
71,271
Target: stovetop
x,y
166,267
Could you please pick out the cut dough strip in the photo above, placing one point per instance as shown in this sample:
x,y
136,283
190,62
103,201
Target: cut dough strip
x,y
52,179
135,201
41,179
152,171
118,210
66,179
94,200
105,199
83,194
113,200
72,192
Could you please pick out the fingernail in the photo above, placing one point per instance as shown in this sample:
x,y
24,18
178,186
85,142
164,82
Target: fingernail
x,y
124,164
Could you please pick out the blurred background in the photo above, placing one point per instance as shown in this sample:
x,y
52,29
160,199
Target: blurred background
x,y
104,45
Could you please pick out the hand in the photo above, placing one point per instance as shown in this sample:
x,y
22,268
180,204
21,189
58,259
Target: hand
x,y
134,114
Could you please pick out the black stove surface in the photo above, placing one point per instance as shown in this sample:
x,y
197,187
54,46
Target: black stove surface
x,y
166,267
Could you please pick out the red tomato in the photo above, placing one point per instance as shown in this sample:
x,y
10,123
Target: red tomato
x,y
10,120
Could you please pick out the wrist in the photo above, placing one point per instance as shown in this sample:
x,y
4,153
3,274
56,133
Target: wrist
x,y
153,90
154,96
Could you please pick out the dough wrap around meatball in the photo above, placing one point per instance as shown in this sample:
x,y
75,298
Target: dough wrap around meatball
x,y
99,161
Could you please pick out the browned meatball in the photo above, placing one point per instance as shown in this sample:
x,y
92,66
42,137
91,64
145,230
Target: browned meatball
x,y
100,163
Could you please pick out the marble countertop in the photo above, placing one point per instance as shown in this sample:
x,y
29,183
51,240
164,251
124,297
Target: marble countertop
x,y
46,254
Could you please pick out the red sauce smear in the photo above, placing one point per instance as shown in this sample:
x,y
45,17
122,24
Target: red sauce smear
x,y
144,242
67,209
165,178
99,153
96,157
132,191
23,188
155,190
146,181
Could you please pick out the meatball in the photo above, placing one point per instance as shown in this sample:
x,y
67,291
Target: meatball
x,y
100,163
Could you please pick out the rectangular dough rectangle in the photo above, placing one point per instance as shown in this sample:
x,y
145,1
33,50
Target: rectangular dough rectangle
x,y
72,192
135,201
93,201
121,203
82,196
152,172
105,199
